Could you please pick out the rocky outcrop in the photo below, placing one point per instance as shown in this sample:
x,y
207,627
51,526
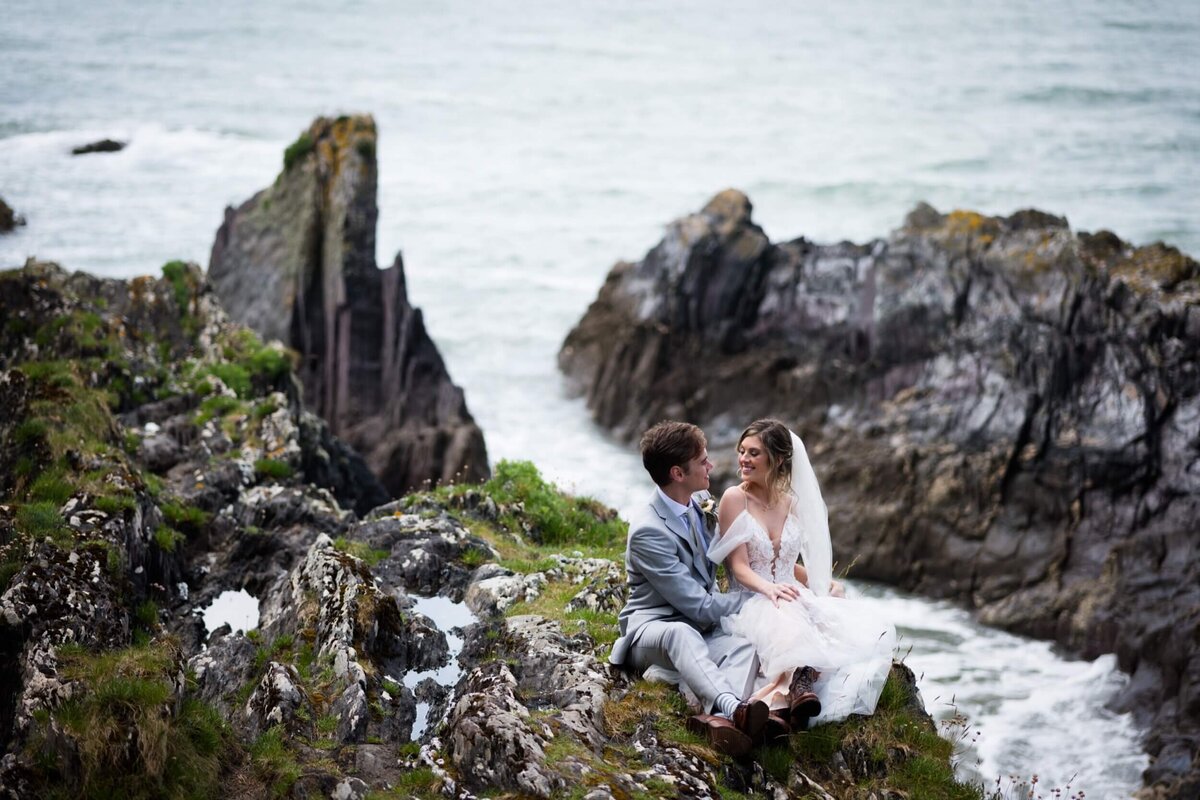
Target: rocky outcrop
x,y
100,146
9,219
1000,410
154,456
296,263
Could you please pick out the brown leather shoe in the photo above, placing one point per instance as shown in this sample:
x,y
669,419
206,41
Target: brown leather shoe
x,y
750,718
777,730
722,735
803,702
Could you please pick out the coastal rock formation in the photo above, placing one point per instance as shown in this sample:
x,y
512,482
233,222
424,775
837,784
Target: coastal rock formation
x,y
1000,411
154,456
296,263
9,219
101,146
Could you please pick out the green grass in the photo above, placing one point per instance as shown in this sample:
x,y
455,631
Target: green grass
x,y
133,738
273,763
176,273
273,468
551,517
360,550
43,520
297,150
167,538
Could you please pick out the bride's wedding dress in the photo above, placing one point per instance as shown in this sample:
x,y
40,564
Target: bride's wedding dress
x,y
851,649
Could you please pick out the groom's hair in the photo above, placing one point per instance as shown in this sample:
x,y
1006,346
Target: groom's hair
x,y
670,444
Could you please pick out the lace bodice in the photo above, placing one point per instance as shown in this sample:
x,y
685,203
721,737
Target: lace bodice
x,y
776,568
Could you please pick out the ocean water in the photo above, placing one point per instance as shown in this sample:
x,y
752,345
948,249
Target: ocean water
x,y
524,150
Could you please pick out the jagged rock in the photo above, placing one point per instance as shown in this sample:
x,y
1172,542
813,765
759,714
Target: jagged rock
x,y
424,552
9,219
495,589
353,713
226,665
101,146
279,699
491,740
999,410
352,616
296,262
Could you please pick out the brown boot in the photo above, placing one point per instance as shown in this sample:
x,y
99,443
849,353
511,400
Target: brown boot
x,y
751,717
721,734
802,701
777,730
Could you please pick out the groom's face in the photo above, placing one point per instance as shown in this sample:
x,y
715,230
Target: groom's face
x,y
695,472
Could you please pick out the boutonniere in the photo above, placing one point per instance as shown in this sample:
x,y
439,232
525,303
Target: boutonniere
x,y
708,507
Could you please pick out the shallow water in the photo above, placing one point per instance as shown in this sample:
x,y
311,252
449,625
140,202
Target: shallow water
x,y
237,608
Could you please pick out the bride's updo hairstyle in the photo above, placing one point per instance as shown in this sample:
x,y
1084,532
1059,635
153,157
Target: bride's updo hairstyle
x,y
777,443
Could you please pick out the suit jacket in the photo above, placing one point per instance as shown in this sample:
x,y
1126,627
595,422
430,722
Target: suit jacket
x,y
669,577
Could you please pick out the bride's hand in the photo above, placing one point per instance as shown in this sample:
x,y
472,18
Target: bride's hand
x,y
781,591
837,589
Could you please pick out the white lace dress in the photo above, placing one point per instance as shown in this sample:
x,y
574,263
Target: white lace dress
x,y
852,650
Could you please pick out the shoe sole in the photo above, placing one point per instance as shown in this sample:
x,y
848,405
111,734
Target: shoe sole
x,y
802,712
726,740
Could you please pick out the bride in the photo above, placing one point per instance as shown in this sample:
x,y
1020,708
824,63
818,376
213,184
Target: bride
x,y
822,655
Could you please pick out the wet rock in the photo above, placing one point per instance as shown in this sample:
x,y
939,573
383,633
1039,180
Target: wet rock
x,y
999,410
100,146
368,365
9,219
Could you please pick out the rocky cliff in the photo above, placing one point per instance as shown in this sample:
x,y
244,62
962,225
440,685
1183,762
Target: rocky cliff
x,y
154,455
296,263
1000,411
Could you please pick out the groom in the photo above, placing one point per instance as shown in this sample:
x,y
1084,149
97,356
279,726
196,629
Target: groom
x,y
671,618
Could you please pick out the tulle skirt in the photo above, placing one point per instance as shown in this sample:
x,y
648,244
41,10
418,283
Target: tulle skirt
x,y
852,651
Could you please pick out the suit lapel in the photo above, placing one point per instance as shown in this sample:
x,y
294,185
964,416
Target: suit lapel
x,y
675,525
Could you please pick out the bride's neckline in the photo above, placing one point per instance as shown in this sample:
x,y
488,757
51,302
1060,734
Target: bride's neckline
x,y
776,544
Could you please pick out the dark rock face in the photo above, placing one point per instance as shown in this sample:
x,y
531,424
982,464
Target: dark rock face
x,y
9,219
101,146
297,263
1000,411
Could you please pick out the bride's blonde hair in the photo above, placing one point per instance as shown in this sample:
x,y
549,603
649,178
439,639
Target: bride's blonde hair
x,y
777,443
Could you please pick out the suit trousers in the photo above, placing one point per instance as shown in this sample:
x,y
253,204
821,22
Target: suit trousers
x,y
708,664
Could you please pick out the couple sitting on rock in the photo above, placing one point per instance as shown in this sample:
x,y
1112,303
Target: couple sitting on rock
x,y
783,646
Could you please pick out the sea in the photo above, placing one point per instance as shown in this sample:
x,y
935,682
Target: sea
x,y
526,148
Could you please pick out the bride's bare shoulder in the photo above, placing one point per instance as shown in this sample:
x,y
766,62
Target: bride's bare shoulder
x,y
733,493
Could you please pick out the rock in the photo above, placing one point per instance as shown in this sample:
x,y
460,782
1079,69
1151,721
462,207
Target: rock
x,y
495,589
999,410
279,699
296,262
101,146
9,219
491,741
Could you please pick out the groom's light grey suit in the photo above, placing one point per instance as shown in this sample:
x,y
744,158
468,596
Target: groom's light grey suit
x,y
672,615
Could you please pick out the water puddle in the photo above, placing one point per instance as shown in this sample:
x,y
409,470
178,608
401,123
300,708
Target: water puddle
x,y
239,609
449,616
